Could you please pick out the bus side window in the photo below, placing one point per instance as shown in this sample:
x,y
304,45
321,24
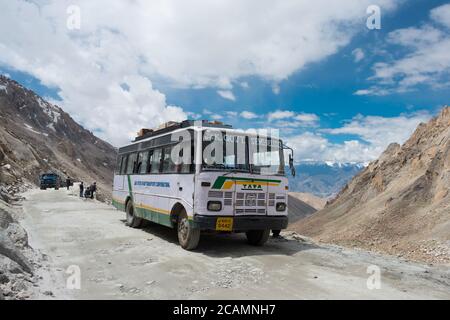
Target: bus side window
x,y
156,161
118,164
168,164
144,162
131,163
151,164
185,167
123,165
138,166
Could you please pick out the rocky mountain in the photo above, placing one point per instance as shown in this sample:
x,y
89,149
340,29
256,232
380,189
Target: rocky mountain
x,y
322,179
298,209
37,136
399,204
310,199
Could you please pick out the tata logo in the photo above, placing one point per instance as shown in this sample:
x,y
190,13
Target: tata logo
x,y
251,187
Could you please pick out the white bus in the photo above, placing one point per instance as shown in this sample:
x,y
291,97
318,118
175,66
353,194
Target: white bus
x,y
235,181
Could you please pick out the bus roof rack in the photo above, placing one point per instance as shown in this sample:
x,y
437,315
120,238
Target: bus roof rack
x,y
145,133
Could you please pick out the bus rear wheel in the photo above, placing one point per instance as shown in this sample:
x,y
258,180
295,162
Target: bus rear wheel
x,y
257,237
188,237
132,220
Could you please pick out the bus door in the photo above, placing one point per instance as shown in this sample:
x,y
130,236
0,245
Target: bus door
x,y
119,178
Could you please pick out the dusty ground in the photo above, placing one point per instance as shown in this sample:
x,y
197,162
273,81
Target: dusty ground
x,y
119,262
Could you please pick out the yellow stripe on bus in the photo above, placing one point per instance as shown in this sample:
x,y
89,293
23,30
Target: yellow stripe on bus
x,y
119,201
143,206
228,184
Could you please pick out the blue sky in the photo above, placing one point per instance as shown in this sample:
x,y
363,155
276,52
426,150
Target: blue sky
x,y
341,94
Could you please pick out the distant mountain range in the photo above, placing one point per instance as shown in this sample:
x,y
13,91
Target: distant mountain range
x,y
322,179
37,136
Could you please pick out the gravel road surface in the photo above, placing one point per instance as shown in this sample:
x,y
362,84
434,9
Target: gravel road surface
x,y
118,262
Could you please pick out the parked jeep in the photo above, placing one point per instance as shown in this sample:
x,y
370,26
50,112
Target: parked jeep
x,y
49,180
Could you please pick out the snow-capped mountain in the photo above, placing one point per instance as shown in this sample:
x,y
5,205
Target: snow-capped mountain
x,y
323,178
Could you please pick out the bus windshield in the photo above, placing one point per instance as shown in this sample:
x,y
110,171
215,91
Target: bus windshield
x,y
224,151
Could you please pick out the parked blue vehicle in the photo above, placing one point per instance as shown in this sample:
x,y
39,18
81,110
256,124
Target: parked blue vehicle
x,y
49,180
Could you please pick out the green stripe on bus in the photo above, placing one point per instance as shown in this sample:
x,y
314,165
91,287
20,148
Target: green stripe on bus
x,y
118,205
129,187
153,216
221,180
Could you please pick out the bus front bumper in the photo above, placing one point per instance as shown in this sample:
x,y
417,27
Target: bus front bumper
x,y
243,223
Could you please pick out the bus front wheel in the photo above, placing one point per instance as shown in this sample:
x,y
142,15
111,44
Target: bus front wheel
x,y
132,220
257,237
188,237
276,233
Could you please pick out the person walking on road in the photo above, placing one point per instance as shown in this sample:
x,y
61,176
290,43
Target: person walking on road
x,y
93,189
68,182
81,189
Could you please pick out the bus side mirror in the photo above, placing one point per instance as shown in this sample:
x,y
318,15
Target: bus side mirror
x,y
291,165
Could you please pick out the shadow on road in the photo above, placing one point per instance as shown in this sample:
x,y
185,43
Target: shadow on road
x,y
231,245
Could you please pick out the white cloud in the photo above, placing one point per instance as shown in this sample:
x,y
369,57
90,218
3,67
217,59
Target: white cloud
x,y
427,61
245,85
287,118
314,146
441,15
358,55
231,114
374,134
308,146
248,115
216,116
280,114
276,89
307,117
226,94
187,43
193,115
212,115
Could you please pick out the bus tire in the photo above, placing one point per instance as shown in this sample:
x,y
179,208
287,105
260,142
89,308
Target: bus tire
x,y
257,237
188,237
132,220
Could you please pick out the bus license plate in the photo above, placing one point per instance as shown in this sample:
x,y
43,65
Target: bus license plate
x,y
224,224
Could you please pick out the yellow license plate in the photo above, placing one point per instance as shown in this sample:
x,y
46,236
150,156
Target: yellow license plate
x,y
224,224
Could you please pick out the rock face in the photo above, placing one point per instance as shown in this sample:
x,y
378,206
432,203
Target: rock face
x,y
17,258
399,204
37,136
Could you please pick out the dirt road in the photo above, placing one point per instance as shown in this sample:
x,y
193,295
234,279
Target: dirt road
x,y
119,262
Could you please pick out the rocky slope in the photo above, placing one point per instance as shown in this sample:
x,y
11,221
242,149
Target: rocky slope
x,y
298,209
399,204
37,136
16,257
310,199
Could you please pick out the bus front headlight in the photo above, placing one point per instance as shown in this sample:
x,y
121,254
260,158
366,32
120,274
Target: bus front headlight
x,y
281,206
214,205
